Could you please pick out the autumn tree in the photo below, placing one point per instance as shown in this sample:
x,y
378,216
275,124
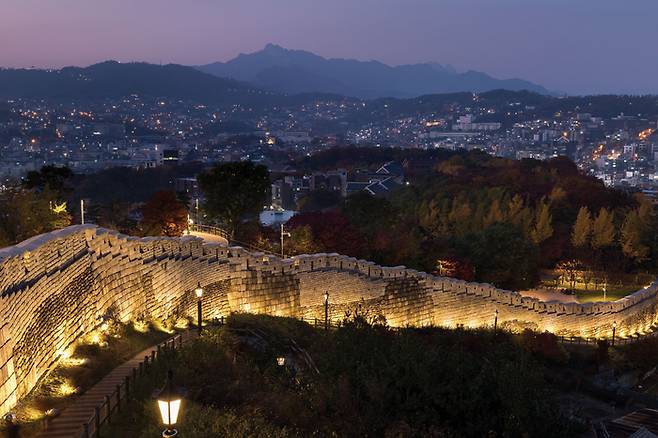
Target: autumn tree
x,y
495,214
582,229
164,215
520,215
603,230
234,192
543,228
638,233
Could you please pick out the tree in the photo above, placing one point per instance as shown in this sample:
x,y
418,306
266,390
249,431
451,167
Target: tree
x,y
543,228
495,214
603,230
369,213
26,213
319,200
234,191
582,229
569,269
56,178
332,232
502,256
301,241
633,237
520,215
164,215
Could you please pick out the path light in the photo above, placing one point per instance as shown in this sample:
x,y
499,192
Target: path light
x,y
614,331
326,310
169,403
281,361
199,294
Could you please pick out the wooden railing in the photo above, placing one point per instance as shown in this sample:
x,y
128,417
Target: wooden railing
x,y
114,401
216,231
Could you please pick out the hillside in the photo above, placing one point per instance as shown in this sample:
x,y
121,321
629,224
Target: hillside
x,y
112,79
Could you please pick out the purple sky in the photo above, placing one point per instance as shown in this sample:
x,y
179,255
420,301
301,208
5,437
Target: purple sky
x,y
577,46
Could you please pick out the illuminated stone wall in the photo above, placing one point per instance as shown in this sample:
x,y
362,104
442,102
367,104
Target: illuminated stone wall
x,y
58,287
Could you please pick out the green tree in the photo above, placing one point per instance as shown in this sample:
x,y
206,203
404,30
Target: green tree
x,y
503,256
582,229
54,177
369,214
603,230
26,213
301,241
234,191
319,200
543,228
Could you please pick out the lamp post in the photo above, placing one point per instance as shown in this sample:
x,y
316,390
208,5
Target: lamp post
x,y
495,320
196,208
283,234
199,295
169,402
12,428
326,310
614,331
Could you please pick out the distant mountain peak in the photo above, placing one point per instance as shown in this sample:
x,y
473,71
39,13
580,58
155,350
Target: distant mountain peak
x,y
271,47
297,71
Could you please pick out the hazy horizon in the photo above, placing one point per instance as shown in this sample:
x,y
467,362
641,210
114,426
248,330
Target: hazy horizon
x,y
578,48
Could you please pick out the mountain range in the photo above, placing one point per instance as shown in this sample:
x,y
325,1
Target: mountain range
x,y
296,71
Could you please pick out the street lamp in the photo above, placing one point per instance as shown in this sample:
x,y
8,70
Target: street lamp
x,y
326,310
283,234
199,295
495,320
614,331
169,401
281,361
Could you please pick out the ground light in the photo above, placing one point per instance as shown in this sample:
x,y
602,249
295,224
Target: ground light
x,y
614,330
199,295
326,310
169,404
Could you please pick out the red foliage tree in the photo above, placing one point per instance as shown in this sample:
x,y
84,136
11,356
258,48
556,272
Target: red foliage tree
x,y
333,232
164,215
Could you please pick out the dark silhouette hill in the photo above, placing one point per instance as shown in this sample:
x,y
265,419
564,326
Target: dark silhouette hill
x,y
113,79
297,71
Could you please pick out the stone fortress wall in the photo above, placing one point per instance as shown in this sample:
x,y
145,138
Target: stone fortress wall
x,y
59,287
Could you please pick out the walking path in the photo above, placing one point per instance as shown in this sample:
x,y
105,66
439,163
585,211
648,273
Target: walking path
x,y
69,423
209,238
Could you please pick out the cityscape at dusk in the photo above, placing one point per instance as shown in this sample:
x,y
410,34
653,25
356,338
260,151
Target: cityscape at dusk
x,y
384,218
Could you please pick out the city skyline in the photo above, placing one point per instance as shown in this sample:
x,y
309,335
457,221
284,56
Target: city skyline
x,y
576,48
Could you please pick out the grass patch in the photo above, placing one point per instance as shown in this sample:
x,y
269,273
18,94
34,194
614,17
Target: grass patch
x,y
372,381
612,294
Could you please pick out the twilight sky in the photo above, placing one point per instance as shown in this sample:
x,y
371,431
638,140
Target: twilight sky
x,y
576,46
